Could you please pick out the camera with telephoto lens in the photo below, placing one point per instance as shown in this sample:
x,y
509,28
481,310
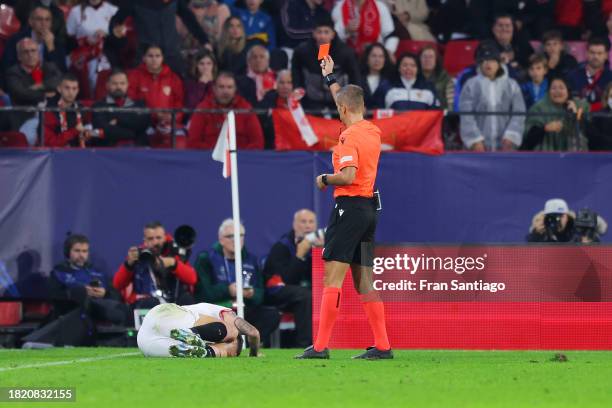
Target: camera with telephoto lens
x,y
146,256
586,226
184,238
315,235
552,223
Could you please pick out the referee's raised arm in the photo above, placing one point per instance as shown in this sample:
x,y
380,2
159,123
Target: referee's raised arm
x,y
349,238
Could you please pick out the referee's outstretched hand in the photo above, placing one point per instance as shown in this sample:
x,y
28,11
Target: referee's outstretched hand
x,y
327,66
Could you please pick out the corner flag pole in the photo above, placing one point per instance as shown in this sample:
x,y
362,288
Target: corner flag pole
x,y
231,120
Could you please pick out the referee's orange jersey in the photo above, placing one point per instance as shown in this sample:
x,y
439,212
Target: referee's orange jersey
x,y
359,146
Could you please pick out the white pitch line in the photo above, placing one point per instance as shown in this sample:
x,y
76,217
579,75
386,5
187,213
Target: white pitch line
x,y
78,360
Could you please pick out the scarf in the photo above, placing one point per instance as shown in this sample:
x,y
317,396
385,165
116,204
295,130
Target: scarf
x,y
263,82
369,24
37,75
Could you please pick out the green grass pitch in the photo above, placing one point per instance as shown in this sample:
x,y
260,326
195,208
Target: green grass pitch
x,y
412,379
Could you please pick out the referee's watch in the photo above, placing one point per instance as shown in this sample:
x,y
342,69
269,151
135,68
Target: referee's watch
x,y
330,79
324,179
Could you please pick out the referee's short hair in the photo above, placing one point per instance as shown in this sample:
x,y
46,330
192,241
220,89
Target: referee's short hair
x,y
351,97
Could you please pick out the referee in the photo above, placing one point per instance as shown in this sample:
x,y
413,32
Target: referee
x,y
349,240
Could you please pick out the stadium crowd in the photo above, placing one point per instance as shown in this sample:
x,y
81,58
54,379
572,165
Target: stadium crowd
x,y
547,58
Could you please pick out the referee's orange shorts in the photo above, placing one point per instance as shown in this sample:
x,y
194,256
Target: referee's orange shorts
x,y
350,231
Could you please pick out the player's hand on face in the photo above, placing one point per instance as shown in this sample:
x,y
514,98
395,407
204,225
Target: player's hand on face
x,y
327,65
319,182
232,290
132,256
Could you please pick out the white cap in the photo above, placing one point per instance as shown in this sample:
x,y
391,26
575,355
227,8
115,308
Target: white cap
x,y
556,206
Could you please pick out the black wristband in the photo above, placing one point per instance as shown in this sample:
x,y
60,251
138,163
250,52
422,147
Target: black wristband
x,y
330,80
324,179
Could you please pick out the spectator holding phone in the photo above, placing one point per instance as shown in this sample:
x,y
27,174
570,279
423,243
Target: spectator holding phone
x,y
81,296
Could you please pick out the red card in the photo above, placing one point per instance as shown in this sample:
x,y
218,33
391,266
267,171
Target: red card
x,y
323,51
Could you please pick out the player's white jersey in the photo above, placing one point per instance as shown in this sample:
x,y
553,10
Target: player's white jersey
x,y
154,334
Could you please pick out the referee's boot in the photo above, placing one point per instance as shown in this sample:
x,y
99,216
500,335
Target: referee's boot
x,y
311,353
372,353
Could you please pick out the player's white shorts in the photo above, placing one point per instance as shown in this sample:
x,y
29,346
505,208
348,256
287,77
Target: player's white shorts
x,y
154,334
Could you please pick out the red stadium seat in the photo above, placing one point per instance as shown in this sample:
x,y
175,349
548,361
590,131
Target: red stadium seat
x,y
459,55
413,47
13,139
578,49
9,24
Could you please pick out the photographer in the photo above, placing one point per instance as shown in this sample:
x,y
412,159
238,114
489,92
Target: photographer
x,y
554,224
158,270
589,227
81,296
217,280
288,273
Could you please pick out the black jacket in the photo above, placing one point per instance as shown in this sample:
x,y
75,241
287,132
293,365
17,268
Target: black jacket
x,y
154,22
283,262
567,63
268,102
129,126
18,86
306,72
57,56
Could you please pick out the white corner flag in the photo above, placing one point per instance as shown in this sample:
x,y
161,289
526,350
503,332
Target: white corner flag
x,y
225,152
221,152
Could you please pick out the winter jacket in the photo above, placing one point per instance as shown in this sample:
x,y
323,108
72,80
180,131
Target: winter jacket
x,y
376,99
130,127
216,273
18,86
282,265
502,94
420,96
581,88
306,72
204,128
163,90
570,138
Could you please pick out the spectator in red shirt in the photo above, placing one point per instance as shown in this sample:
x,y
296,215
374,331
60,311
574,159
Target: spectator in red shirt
x,y
156,84
204,128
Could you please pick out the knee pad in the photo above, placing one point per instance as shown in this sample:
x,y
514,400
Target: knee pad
x,y
211,332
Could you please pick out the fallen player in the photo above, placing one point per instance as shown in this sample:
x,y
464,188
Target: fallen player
x,y
202,330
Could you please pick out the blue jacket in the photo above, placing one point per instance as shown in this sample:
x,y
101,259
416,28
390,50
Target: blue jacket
x,y
421,96
529,94
259,24
69,275
375,100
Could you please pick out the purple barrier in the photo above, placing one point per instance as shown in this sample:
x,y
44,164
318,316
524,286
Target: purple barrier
x,y
109,194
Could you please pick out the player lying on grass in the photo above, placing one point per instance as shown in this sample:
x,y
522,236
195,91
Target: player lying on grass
x,y
201,330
